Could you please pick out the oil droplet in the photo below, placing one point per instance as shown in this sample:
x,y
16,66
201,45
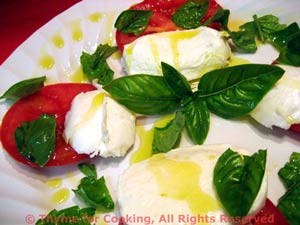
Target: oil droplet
x,y
145,149
116,55
46,61
95,17
109,25
77,33
58,41
61,196
180,180
235,61
235,24
54,183
146,139
78,76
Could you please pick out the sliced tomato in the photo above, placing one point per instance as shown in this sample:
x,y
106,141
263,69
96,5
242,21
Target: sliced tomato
x,y
54,100
269,215
295,127
161,19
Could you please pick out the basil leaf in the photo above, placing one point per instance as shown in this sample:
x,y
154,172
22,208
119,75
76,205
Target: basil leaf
x,y
289,204
290,173
221,16
68,216
88,169
235,91
263,26
197,120
94,193
188,16
35,140
144,94
237,180
94,65
24,88
133,21
244,41
287,43
177,82
167,137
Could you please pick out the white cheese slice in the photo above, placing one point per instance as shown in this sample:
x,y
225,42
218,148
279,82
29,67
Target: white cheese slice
x,y
178,183
192,52
97,125
280,107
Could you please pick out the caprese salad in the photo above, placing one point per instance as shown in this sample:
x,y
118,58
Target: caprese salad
x,y
165,46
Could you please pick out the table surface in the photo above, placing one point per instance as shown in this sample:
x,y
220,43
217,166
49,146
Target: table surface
x,y
21,18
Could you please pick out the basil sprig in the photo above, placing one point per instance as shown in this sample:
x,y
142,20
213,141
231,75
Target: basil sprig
x,y
72,215
133,21
24,88
92,191
95,67
35,140
268,30
238,179
289,203
231,92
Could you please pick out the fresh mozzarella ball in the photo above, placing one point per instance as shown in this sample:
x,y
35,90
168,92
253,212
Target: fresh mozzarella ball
x,y
280,107
178,183
97,125
192,52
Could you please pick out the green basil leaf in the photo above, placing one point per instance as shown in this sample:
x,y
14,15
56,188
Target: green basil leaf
x,y
197,120
221,16
287,43
88,169
177,82
235,91
68,216
143,94
35,140
244,41
290,173
24,88
237,180
188,16
133,21
94,66
94,193
289,204
167,137
263,26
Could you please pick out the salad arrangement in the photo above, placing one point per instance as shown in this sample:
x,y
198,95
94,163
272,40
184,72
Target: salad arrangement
x,y
30,124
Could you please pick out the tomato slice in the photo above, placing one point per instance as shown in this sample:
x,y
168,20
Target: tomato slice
x,y
161,19
295,127
269,215
54,100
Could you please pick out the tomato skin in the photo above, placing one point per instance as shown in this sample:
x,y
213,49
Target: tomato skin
x,y
269,215
295,128
54,100
161,19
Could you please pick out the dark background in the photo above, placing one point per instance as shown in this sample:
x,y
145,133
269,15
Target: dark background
x,y
20,18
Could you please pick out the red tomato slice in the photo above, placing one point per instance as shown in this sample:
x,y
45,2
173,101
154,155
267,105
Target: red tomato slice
x,y
54,100
295,127
160,20
269,215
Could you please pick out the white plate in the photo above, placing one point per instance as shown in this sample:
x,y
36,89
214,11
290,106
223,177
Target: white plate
x,y
24,196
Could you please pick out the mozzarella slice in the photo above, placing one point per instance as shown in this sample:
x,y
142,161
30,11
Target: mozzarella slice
x,y
97,125
280,107
178,183
192,52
